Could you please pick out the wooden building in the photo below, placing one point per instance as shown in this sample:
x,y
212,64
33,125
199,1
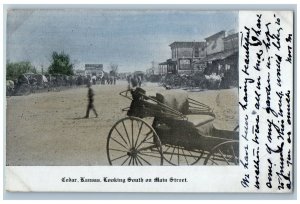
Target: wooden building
x,y
93,69
185,53
222,57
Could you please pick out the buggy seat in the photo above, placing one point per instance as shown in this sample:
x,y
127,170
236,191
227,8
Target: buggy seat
x,y
178,100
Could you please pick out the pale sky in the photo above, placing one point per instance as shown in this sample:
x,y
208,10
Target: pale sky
x,y
131,39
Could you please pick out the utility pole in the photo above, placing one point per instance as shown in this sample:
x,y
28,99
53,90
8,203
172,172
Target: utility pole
x,y
152,62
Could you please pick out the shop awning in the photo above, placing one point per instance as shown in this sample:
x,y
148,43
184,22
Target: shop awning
x,y
168,62
219,56
163,63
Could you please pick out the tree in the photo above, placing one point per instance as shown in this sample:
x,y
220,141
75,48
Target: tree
x,y
61,64
16,69
113,69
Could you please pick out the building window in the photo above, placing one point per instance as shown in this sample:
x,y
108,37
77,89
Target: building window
x,y
184,64
173,53
197,52
227,67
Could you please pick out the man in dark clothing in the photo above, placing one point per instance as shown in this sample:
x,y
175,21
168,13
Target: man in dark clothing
x,y
91,102
134,81
139,79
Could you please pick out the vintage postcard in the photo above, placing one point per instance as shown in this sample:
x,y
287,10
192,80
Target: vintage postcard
x,y
101,100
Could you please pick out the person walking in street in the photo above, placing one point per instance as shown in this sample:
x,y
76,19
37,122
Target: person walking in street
x,y
91,102
133,82
139,79
115,79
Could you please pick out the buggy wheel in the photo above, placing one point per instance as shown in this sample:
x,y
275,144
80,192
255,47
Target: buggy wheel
x,y
133,142
226,153
176,155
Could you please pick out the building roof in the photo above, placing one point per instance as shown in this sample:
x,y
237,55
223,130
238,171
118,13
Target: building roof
x,y
187,44
234,35
138,72
216,35
93,67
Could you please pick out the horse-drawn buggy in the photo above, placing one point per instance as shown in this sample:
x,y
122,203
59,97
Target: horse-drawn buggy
x,y
169,128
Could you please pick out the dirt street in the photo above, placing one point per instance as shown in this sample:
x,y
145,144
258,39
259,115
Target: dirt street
x,y
48,129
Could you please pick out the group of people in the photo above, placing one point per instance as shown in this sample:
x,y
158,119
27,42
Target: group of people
x,y
108,80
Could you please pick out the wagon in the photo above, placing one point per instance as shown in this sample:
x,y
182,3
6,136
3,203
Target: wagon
x,y
169,128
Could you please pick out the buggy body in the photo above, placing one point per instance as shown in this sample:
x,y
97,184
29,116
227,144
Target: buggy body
x,y
180,131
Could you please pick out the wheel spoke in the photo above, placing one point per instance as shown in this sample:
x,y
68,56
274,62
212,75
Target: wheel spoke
x,y
144,160
167,149
185,157
233,154
132,141
120,135
139,161
126,132
130,161
142,141
212,160
118,142
146,148
193,155
133,161
182,154
125,161
119,157
149,138
172,153
201,154
178,156
149,155
118,150
223,156
140,129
